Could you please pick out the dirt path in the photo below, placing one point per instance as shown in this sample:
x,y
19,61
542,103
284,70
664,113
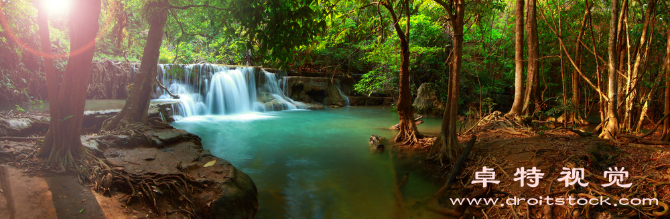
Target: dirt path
x,y
23,196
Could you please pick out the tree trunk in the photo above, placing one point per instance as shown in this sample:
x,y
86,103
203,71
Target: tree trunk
x,y
408,134
446,145
611,125
137,105
531,101
632,95
666,125
576,98
62,144
517,106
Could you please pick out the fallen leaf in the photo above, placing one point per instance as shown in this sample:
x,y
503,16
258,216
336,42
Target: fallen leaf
x,y
82,210
209,163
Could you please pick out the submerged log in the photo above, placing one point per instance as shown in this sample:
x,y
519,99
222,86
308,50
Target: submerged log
x,y
376,145
457,167
417,121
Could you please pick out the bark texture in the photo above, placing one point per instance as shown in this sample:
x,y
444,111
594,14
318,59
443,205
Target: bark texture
x,y
408,134
517,106
531,96
62,144
446,145
137,104
611,124
666,124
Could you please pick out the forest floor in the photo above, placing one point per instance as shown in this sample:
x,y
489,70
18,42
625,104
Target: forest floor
x,y
506,147
25,193
168,172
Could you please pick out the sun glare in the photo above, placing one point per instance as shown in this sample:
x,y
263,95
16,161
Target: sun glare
x,y
57,7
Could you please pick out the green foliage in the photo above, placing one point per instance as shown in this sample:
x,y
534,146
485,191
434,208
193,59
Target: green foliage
x,y
166,56
18,108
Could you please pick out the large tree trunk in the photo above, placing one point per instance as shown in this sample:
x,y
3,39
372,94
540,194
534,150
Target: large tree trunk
x,y
517,106
666,125
137,104
62,144
611,124
446,145
408,134
531,101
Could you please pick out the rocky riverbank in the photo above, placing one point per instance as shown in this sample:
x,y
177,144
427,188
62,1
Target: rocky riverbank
x,y
209,186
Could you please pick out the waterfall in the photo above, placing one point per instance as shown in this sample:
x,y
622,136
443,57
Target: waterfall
x,y
206,89
344,97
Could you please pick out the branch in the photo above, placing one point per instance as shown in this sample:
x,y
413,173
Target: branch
x,y
560,40
183,32
166,90
447,7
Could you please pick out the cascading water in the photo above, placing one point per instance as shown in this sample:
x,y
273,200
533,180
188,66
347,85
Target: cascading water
x,y
344,97
206,89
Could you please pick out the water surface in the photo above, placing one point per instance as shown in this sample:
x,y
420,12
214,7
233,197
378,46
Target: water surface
x,y
315,164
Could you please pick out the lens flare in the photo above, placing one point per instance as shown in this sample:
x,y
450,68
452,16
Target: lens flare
x,y
57,7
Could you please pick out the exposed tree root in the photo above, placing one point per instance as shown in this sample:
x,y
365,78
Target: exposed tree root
x,y
408,134
150,188
641,140
457,167
417,121
578,132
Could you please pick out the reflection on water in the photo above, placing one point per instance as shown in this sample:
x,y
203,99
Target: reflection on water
x,y
314,164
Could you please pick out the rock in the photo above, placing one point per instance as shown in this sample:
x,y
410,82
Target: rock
x,y
234,194
240,199
320,90
24,126
93,120
110,80
370,101
427,102
164,137
376,145
313,106
333,96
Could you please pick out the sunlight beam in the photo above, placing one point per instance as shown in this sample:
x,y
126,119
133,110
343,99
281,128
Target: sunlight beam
x,y
57,7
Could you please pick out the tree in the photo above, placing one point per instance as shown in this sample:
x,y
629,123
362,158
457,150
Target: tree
x,y
611,124
532,80
576,98
408,133
666,124
137,104
62,144
517,106
446,145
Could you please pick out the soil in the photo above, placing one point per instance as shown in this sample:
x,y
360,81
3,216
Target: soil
x,y
142,172
24,194
506,147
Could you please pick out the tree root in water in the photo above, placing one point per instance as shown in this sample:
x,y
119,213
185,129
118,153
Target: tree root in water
x,y
417,121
